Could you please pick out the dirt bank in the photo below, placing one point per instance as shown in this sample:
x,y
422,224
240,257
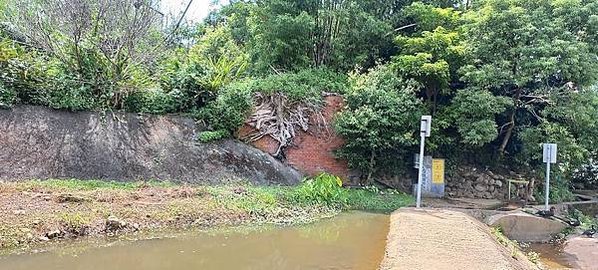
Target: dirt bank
x,y
35,214
444,239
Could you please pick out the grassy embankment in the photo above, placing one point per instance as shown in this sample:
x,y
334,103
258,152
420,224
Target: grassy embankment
x,y
36,212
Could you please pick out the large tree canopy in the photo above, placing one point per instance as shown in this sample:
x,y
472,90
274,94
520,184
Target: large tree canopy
x,y
532,52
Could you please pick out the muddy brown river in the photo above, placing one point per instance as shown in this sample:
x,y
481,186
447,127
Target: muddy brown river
x,y
353,240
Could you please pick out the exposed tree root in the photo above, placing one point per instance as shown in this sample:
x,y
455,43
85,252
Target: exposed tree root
x,y
279,118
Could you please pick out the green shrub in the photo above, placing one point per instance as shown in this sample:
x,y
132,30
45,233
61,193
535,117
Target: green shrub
x,y
322,189
221,59
379,121
571,153
154,101
560,191
7,97
92,83
230,109
23,76
473,113
209,136
71,96
181,75
374,199
305,85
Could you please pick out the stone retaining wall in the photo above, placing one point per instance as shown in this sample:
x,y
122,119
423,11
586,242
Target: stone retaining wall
x,y
471,182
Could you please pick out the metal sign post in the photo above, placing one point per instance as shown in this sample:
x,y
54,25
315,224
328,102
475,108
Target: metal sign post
x,y
549,156
424,131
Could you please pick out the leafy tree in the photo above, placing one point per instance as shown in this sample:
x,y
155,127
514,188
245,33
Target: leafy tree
x,y
289,35
220,57
379,120
100,45
526,50
23,76
473,113
427,17
280,40
433,54
571,121
235,16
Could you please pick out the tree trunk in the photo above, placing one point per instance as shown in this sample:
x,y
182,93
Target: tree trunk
x,y
509,133
371,170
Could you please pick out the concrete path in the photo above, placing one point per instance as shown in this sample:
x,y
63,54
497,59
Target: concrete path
x,y
443,239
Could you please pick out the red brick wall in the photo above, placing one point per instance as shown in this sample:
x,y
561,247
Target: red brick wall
x,y
313,151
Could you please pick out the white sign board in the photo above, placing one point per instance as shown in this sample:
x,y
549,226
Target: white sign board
x,y
426,125
549,153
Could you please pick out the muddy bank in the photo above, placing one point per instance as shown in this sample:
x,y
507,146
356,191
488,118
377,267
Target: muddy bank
x,y
445,239
35,214
41,143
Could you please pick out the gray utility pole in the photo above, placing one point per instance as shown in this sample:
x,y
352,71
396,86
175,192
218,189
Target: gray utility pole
x,y
549,156
424,131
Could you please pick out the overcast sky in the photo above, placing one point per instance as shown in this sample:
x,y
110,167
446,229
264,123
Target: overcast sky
x,y
199,8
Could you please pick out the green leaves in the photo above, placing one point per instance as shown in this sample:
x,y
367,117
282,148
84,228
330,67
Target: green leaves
x,y
422,67
7,97
538,54
323,189
474,113
306,85
279,40
23,75
429,17
432,58
219,57
230,109
528,42
292,35
380,118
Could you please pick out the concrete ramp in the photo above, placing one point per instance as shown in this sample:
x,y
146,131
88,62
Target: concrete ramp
x,y
442,239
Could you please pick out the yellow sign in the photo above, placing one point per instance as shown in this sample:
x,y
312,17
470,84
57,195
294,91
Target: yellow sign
x,y
438,171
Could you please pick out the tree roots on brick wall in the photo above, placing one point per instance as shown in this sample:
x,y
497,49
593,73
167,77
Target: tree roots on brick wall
x,y
278,117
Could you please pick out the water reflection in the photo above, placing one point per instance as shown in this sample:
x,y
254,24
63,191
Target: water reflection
x,y
349,241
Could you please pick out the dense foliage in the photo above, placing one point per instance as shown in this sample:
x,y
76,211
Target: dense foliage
x,y
379,121
500,77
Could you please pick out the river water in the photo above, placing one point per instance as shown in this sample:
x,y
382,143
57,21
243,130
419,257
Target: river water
x,y
353,240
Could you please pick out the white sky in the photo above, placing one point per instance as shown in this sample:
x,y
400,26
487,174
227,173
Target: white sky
x,y
199,8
